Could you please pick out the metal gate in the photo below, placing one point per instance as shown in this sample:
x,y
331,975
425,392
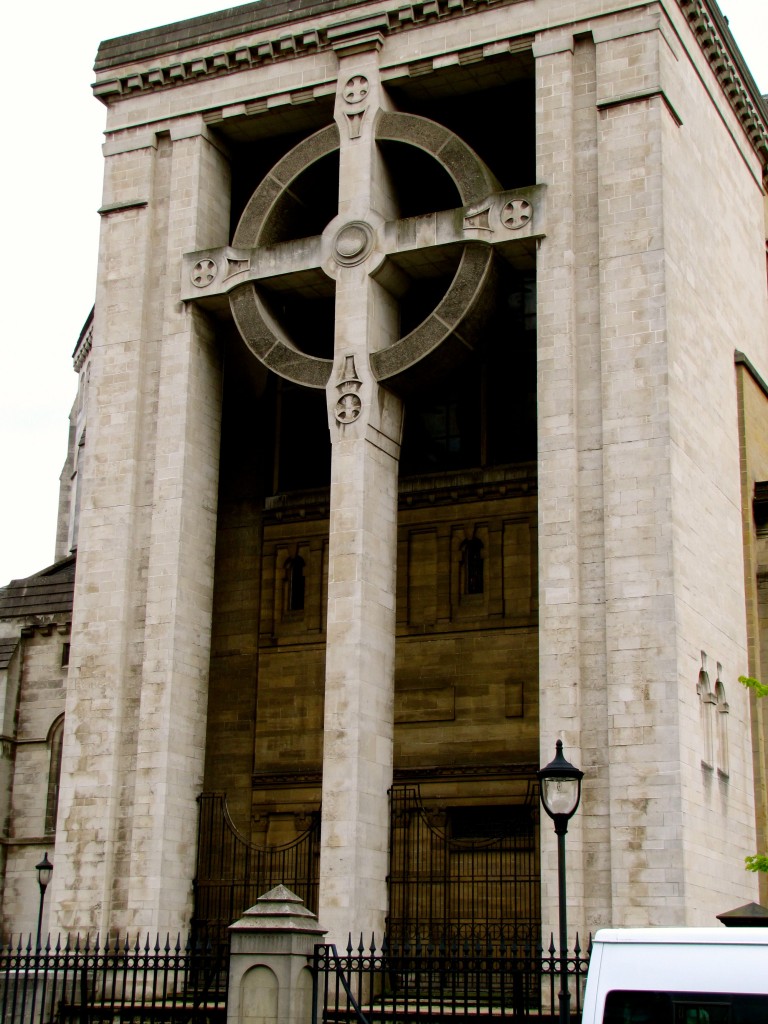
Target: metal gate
x,y
469,875
232,873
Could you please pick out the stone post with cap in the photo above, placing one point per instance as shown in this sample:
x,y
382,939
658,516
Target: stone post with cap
x,y
270,973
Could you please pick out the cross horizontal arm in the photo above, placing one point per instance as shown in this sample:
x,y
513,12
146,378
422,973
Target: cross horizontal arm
x,y
502,217
212,272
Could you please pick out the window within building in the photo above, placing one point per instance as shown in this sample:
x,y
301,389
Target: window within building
x,y
472,566
721,704
55,740
295,584
706,704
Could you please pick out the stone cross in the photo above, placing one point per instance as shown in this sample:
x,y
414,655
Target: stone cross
x,y
371,369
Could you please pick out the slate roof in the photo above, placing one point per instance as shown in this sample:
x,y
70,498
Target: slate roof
x,y
47,593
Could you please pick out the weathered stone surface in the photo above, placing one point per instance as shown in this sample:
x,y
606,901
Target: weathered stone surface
x,y
607,573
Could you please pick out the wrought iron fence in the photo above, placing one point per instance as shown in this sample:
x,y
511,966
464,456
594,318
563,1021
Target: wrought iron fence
x,y
232,873
81,981
468,873
468,983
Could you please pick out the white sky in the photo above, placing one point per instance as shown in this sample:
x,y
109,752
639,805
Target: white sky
x,y
50,189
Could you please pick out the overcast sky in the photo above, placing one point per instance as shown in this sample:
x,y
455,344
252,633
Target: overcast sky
x,y
51,189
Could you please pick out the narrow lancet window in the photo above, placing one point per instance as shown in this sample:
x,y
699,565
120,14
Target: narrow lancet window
x,y
472,566
295,584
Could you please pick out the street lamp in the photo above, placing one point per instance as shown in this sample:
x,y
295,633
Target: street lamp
x,y
44,871
560,784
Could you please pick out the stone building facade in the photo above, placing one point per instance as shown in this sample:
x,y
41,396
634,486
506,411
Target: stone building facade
x,y
426,425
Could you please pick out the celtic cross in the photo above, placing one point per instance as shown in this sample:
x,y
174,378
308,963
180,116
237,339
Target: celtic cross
x,y
372,367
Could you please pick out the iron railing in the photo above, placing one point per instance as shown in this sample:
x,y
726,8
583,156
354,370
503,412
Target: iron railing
x,y
80,980
466,983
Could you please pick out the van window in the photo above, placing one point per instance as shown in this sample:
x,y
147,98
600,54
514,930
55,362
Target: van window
x,y
684,1008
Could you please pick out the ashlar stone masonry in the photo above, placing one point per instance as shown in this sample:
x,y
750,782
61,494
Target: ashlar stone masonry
x,y
416,441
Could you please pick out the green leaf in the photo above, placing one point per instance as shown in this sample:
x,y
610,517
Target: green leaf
x,y
759,690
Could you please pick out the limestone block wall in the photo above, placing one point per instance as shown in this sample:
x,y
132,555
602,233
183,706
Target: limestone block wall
x,y
638,509
36,684
717,303
467,672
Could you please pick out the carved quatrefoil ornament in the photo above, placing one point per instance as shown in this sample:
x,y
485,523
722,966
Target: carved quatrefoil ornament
x,y
204,273
516,214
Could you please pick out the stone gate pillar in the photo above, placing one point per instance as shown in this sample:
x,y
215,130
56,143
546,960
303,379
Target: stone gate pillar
x,y
270,978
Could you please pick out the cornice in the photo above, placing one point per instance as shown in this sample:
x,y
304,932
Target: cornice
x,y
720,49
277,43
428,490
282,44
84,344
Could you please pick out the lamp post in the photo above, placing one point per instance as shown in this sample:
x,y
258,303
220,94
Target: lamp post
x,y
44,871
560,784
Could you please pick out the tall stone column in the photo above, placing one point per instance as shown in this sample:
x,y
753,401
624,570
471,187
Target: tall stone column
x,y
559,480
641,628
173,704
136,706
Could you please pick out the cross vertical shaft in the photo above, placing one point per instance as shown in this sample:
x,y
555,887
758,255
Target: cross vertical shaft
x,y
366,424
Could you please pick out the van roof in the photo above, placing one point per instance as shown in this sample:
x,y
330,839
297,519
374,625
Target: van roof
x,y
698,936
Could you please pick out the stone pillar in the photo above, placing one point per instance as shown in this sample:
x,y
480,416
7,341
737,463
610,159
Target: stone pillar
x,y
270,980
642,629
174,692
560,522
106,616
136,704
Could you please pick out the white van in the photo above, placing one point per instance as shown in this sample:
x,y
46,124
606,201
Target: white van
x,y
678,976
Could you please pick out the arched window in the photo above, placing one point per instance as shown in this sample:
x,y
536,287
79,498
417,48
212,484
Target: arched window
x,y
706,704
55,739
721,705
